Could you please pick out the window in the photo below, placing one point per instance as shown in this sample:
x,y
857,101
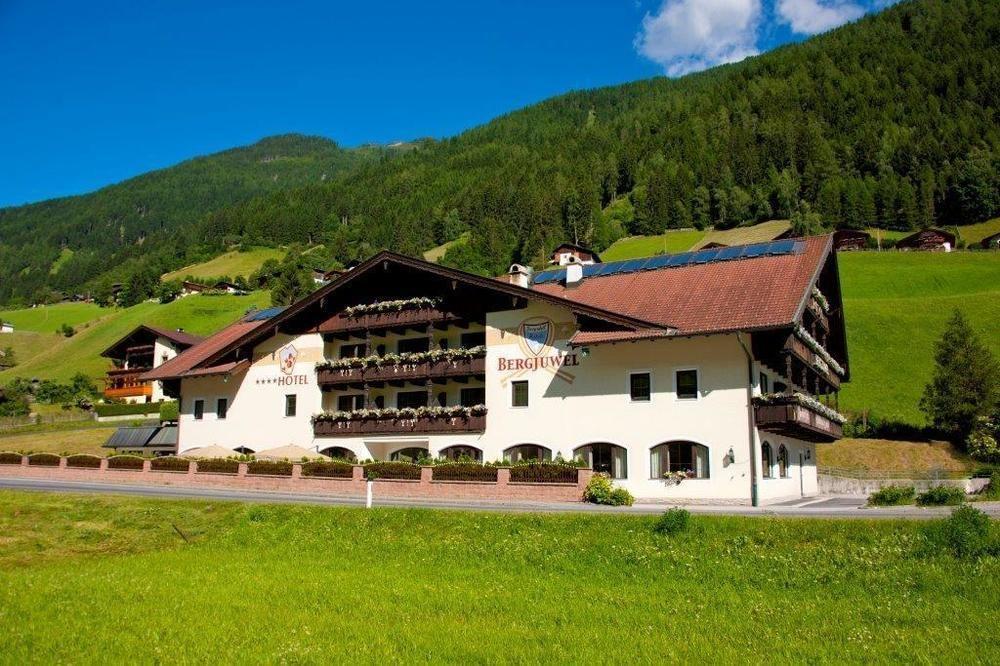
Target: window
x,y
352,351
411,454
780,387
639,386
411,399
349,403
679,457
687,384
221,407
442,399
290,404
199,410
470,397
765,460
380,402
527,452
474,339
462,452
519,394
764,386
413,345
610,459
443,344
339,453
783,462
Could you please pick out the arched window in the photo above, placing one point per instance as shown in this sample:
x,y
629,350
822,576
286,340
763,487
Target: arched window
x,y
605,457
765,460
243,450
410,454
783,462
688,457
462,452
339,453
527,452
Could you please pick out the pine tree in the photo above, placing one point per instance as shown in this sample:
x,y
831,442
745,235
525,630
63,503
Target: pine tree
x,y
966,382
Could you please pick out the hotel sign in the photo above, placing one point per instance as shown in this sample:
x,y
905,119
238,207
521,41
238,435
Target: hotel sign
x,y
287,357
535,337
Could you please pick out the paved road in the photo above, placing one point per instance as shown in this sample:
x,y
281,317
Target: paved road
x,y
813,507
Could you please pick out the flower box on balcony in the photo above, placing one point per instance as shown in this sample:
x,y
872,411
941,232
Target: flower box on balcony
x,y
799,416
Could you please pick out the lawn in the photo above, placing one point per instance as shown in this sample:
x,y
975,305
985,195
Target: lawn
x,y
896,305
110,580
49,318
64,357
59,440
231,264
757,233
648,246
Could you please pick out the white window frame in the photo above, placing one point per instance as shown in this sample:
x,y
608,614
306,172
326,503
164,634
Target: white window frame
x,y
511,404
628,386
697,379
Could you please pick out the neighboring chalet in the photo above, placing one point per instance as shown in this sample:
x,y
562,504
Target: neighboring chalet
x,y
140,351
568,253
928,239
850,239
321,276
991,242
707,375
6,327
188,288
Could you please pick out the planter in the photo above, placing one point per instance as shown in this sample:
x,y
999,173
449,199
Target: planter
x,y
394,426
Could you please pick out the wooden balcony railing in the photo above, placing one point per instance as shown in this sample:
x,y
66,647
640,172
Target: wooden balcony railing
x,y
402,372
343,323
791,418
397,426
125,383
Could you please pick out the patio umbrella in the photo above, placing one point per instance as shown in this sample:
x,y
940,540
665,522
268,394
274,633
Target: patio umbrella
x,y
291,452
213,451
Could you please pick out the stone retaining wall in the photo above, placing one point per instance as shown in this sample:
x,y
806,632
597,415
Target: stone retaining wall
x,y
841,485
425,488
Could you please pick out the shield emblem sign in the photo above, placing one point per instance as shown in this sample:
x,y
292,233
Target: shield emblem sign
x,y
537,335
286,358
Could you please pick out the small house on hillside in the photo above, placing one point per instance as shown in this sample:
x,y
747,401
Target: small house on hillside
x,y
928,240
188,288
321,276
850,239
143,349
6,327
568,253
991,242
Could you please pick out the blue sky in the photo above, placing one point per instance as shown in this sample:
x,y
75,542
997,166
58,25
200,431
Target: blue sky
x,y
98,91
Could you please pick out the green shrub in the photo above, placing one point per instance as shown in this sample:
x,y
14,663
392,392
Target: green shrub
x,y
269,467
966,534
536,471
600,490
9,458
169,464
992,489
328,469
892,496
465,471
169,410
44,459
125,462
941,496
673,521
123,408
84,460
218,466
392,470
621,497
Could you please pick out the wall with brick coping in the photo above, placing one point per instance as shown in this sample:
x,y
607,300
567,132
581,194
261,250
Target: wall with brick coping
x,y
425,488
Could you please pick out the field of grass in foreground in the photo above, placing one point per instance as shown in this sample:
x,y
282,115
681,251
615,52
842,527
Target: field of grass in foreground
x,y
100,579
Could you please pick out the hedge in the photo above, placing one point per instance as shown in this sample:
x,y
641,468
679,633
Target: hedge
x,y
8,458
46,459
121,409
84,460
125,462
328,469
392,470
543,472
269,467
169,410
169,464
464,471
218,466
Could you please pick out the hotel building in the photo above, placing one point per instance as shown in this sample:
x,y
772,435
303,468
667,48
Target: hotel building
x,y
707,375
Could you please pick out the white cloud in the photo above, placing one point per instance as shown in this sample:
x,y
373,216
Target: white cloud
x,y
688,35
811,16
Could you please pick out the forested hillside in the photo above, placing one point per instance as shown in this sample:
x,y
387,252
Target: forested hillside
x,y
149,219
891,121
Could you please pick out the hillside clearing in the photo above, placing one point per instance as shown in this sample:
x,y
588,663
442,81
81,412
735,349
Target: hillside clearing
x,y
975,233
231,263
435,253
48,318
681,240
885,455
758,233
470,587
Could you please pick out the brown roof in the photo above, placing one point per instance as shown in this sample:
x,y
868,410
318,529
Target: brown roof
x,y
743,294
180,338
183,363
597,337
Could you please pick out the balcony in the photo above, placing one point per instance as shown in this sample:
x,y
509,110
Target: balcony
x,y
125,383
797,416
376,321
402,372
391,425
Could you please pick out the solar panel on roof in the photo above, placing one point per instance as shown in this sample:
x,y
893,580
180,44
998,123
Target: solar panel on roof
x,y
266,313
630,266
751,251
705,256
783,246
729,253
592,269
546,276
658,262
681,259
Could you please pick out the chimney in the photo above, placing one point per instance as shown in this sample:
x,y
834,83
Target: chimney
x,y
519,275
574,273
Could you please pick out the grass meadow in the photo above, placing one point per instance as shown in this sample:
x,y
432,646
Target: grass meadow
x,y
230,263
101,579
647,246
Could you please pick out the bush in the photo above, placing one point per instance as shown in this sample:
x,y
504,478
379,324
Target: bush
x,y
169,464
84,460
673,521
169,411
543,472
892,496
9,458
67,331
269,467
328,469
392,470
218,466
941,496
621,497
125,462
123,408
966,534
992,489
600,491
44,459
465,471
